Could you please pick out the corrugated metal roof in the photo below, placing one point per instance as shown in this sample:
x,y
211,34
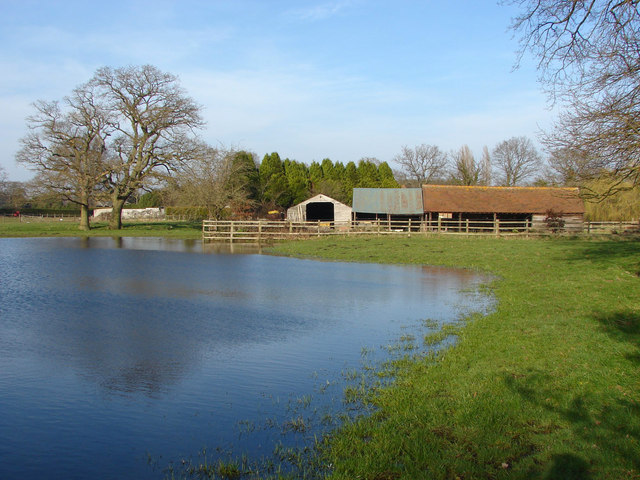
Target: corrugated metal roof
x,y
394,201
448,198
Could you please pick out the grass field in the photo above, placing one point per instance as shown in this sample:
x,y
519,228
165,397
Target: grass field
x,y
546,387
36,227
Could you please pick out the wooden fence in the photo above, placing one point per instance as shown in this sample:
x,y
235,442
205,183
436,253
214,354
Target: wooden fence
x,y
44,218
264,230
610,227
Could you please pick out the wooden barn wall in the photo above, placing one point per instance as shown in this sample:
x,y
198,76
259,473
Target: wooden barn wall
x,y
572,223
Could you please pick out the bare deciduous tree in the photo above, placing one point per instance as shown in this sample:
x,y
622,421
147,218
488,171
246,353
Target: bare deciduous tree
x,y
66,147
115,131
3,181
515,160
153,120
217,179
16,194
4,194
485,174
569,167
589,61
422,163
466,171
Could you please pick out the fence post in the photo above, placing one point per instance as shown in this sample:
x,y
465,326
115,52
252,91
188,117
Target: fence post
x,y
497,227
231,232
409,228
467,228
439,223
318,228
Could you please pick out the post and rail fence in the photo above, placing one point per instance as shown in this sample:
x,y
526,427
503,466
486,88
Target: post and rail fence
x,y
259,231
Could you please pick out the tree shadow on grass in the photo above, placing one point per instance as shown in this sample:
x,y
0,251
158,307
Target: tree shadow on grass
x,y
604,427
623,327
567,466
623,251
605,421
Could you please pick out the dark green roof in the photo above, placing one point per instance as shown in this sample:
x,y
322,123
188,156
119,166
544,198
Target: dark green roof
x,y
394,201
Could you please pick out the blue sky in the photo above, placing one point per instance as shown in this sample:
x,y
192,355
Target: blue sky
x,y
342,79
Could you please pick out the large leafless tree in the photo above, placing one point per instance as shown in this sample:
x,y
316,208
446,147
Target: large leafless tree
x,y
153,122
66,146
116,132
589,61
422,163
515,160
465,169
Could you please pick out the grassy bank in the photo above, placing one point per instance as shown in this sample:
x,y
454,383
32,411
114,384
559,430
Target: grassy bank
x,y
35,227
547,386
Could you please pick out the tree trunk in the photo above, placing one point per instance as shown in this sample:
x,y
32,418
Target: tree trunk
x,y
84,218
116,214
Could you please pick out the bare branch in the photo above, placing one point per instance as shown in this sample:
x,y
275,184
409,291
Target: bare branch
x,y
515,160
589,59
423,163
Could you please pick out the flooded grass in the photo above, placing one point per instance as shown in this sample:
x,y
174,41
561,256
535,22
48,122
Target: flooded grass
x,y
547,386
312,426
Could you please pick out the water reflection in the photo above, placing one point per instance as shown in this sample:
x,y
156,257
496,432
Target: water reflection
x,y
110,349
167,245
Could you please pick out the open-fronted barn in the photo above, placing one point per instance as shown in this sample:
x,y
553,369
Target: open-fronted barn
x,y
387,204
533,204
320,208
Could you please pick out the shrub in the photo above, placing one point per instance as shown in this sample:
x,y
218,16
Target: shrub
x,y
554,221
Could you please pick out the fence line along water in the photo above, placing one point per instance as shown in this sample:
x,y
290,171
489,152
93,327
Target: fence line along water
x,y
266,230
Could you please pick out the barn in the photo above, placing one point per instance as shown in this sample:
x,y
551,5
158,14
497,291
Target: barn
x,y
320,208
389,204
530,204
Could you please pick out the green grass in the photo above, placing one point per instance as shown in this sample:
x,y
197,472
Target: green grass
x,y
546,387
34,227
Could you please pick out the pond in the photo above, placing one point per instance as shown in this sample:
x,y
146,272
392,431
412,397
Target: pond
x,y
121,357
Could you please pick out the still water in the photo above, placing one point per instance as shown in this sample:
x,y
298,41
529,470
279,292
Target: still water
x,y
119,357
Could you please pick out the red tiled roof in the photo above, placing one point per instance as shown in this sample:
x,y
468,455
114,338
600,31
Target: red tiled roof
x,y
449,198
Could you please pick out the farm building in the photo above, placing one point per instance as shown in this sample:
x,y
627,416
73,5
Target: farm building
x,y
391,204
504,203
320,208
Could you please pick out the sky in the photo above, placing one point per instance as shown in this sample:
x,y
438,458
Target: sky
x,y
338,79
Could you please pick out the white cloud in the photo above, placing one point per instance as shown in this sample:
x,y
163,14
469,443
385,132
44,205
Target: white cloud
x,y
319,12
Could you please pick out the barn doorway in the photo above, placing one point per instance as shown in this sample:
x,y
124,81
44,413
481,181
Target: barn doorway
x,y
320,212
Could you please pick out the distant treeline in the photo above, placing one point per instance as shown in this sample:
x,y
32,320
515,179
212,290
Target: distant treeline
x,y
284,183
